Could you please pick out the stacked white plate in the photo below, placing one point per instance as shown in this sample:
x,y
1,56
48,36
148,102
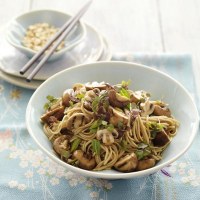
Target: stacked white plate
x,y
93,47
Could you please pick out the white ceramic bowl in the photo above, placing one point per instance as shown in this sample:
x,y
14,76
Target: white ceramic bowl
x,y
16,29
142,78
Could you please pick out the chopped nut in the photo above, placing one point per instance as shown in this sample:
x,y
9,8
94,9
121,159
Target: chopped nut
x,y
37,35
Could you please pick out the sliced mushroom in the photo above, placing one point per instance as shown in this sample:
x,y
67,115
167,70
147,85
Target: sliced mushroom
x,y
107,136
76,120
60,144
84,161
58,113
90,95
90,86
127,163
145,164
117,117
158,111
160,139
116,100
147,108
67,95
78,86
138,95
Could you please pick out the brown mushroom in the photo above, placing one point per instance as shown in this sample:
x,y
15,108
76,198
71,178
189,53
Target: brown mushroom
x,y
147,108
61,144
78,86
90,95
127,163
116,100
76,120
84,161
117,117
145,164
67,95
160,139
107,136
90,86
158,111
138,95
58,113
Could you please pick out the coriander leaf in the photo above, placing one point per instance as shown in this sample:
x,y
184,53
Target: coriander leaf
x,y
125,83
124,145
71,103
95,104
46,106
80,96
75,144
96,147
154,126
95,125
124,92
51,101
50,98
110,127
142,153
104,122
65,154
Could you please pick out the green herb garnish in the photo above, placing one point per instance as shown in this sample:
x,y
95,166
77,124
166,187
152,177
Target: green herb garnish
x,y
96,147
71,103
65,154
100,101
80,96
75,144
125,83
142,153
95,125
124,92
51,101
110,127
154,128
124,145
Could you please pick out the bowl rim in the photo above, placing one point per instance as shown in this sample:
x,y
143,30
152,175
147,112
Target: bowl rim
x,y
58,53
109,175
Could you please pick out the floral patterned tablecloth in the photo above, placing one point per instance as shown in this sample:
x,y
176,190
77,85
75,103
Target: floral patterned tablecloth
x,y
26,173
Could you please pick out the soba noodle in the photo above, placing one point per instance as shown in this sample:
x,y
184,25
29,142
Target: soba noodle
x,y
98,126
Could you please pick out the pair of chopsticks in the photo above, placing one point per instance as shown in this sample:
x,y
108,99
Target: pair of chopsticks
x,y
58,38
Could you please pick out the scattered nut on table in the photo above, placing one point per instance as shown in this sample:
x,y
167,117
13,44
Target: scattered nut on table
x,y
37,35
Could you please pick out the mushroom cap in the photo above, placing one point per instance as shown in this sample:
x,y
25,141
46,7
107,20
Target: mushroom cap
x,y
117,117
60,144
67,94
159,111
107,136
145,164
160,139
83,161
58,113
101,86
127,163
147,108
117,100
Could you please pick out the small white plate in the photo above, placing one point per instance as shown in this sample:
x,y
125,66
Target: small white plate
x,y
34,84
88,50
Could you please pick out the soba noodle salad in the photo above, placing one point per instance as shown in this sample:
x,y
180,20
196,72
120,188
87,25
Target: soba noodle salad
x,y
99,126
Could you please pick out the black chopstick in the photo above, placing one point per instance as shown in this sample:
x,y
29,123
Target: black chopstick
x,y
58,38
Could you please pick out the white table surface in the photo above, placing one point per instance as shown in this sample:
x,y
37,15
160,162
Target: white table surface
x,y
151,26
